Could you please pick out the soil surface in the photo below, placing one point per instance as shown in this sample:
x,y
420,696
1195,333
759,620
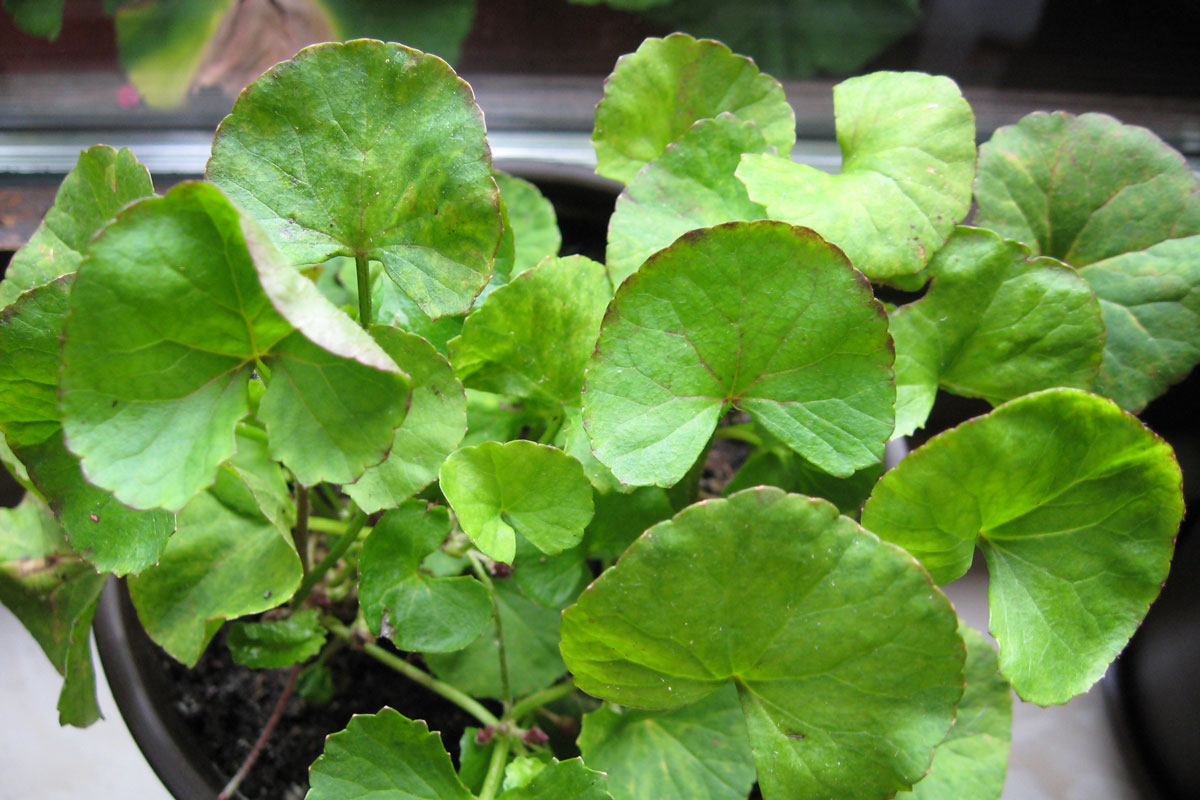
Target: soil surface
x,y
225,706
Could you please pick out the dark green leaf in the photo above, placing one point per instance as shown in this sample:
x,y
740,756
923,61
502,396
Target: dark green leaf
x,y
697,752
414,610
473,758
219,565
778,466
621,518
530,644
102,182
500,490
42,18
551,581
269,644
1118,203
315,683
385,756
1075,506
908,159
532,337
372,149
53,593
846,658
761,315
437,28
690,185
654,95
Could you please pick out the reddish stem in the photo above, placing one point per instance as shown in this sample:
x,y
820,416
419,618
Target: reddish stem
x,y
256,751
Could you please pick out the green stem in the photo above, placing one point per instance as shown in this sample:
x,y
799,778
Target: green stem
x,y
364,290
252,432
744,433
327,525
495,773
552,429
416,674
300,532
313,576
538,699
482,574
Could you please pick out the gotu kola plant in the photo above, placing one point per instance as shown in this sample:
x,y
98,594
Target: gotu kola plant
x,y
348,377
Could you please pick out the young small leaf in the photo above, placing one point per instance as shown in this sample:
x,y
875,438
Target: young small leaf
x,y
973,758
372,149
655,94
1118,203
761,315
219,565
562,779
530,645
385,755
415,610
1075,506
434,427
697,752
690,185
53,593
760,590
1003,324
500,490
269,644
532,337
102,182
908,159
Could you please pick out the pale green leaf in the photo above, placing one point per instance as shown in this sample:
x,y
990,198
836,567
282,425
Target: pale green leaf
x,y
163,44
532,337
434,427
845,657
53,593
973,758
372,149
269,644
655,94
1075,506
562,779
219,565
762,316
384,756
533,222
1118,203
500,490
697,752
689,185
1001,324
101,183
908,159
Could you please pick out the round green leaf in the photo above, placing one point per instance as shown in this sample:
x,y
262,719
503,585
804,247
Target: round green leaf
x,y
530,647
219,565
655,94
385,756
1118,203
434,427
1075,505
697,752
562,779
500,490
690,185
102,182
371,149
846,658
908,159
972,760
270,644
1002,324
415,610
532,337
166,314
762,316
533,222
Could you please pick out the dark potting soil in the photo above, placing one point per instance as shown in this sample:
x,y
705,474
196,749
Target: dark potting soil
x,y
226,705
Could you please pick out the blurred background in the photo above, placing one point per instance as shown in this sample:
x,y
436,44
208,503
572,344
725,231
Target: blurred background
x,y
158,75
